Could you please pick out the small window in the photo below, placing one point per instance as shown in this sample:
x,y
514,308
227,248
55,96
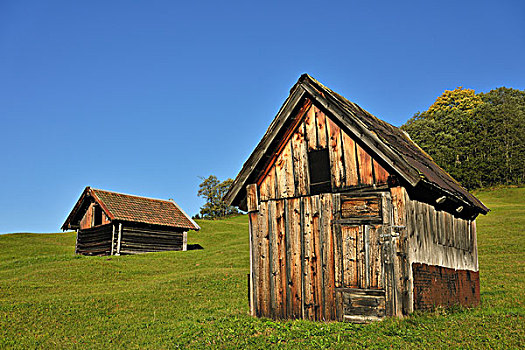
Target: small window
x,y
319,167
97,215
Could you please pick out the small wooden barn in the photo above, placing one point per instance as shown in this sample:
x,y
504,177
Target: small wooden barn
x,y
110,223
349,219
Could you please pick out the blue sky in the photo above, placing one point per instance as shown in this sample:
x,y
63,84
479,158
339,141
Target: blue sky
x,y
146,97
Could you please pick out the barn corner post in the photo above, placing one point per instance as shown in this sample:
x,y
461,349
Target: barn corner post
x,y
252,202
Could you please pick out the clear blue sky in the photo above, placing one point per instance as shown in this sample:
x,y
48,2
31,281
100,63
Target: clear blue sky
x,y
144,97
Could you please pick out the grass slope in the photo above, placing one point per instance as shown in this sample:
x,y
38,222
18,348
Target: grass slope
x,y
50,298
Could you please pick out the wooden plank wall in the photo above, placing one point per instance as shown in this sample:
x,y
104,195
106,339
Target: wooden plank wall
x,y
142,240
438,238
87,219
351,166
293,258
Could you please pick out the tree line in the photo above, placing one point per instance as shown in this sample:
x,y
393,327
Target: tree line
x,y
478,138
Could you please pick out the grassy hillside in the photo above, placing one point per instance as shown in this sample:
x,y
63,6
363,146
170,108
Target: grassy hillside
x,y
50,298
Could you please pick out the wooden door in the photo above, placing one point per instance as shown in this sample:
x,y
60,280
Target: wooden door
x,y
362,291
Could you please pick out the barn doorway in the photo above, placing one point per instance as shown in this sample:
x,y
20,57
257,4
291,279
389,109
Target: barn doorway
x,y
364,248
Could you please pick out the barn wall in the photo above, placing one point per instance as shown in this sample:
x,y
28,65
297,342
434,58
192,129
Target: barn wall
x,y
287,174
136,239
436,238
293,272
94,241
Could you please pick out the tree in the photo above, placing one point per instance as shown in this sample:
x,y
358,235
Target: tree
x,y
213,191
478,138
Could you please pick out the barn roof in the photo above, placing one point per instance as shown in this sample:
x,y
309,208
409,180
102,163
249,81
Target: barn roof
x,y
125,207
388,142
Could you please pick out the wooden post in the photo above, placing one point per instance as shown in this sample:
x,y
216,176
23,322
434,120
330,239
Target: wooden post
x,y
184,241
76,243
119,238
113,240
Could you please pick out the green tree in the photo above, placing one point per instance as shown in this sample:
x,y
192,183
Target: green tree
x,y
478,139
213,191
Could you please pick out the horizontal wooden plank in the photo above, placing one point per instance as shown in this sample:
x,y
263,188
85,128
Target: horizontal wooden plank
x,y
359,207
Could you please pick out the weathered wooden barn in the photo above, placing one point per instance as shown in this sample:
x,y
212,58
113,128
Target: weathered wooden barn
x,y
110,223
349,219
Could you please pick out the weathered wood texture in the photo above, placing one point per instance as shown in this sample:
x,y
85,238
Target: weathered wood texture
x,y
87,219
286,176
94,241
252,197
136,239
362,305
293,259
437,238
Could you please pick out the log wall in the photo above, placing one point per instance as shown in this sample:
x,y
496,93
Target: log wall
x,y
136,239
95,241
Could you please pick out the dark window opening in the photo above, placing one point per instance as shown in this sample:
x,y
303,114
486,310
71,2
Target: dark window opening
x,y
97,215
319,167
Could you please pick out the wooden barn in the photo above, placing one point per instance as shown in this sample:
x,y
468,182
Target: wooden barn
x,y
349,219
110,223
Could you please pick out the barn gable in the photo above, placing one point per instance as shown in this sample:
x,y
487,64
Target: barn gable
x,y
390,147
316,156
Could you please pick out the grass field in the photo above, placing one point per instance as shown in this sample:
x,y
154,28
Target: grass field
x,y
50,298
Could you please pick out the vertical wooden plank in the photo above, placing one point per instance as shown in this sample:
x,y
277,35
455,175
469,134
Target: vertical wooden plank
x,y
252,199
474,243
308,260
387,255
351,176
267,188
375,257
320,118
338,255
254,262
273,259
366,248
294,254
381,175
264,263
327,257
315,259
284,173
361,266
365,166
335,150
338,244
349,236
310,129
401,267
300,163
281,263
443,227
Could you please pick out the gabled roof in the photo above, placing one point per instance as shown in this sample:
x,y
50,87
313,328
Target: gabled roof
x,y
125,207
388,142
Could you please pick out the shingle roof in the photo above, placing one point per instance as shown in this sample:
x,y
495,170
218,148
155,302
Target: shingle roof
x,y
389,142
125,207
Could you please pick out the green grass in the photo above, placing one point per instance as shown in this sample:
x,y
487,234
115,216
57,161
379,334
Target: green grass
x,y
50,298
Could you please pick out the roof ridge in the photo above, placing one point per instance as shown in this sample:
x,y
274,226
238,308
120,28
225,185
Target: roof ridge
x,y
133,195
